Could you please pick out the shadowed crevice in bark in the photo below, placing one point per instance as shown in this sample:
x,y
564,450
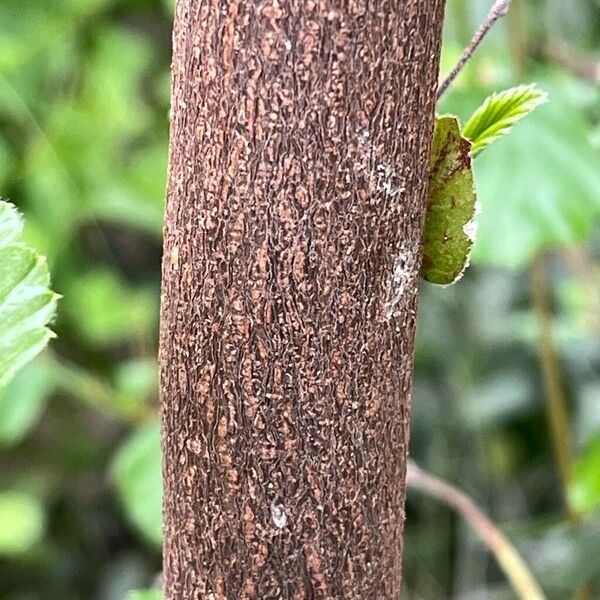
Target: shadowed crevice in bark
x,y
298,167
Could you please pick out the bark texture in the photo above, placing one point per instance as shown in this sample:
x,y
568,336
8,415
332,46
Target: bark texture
x,y
299,147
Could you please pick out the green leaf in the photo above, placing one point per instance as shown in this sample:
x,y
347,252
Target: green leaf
x,y
21,522
449,225
26,302
584,490
499,113
137,474
151,594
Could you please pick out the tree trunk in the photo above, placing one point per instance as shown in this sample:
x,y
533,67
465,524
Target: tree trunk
x,y
298,166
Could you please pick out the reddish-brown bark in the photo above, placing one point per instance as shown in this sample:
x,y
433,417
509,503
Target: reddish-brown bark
x,y
299,148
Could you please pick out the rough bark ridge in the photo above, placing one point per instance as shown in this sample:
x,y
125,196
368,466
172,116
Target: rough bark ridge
x,y
299,147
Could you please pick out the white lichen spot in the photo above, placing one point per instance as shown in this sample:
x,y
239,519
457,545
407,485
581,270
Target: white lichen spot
x,y
470,230
383,180
174,258
401,282
388,188
278,516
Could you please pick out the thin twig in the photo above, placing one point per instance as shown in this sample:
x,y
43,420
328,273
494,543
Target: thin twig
x,y
507,556
499,9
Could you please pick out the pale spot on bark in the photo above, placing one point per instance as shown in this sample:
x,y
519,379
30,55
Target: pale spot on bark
x,y
278,516
401,282
174,257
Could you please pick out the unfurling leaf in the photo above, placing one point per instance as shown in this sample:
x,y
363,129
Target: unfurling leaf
x,y
26,302
500,111
451,205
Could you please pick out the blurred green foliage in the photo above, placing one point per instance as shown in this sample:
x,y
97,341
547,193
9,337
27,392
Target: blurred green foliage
x,y
22,518
151,594
83,149
138,480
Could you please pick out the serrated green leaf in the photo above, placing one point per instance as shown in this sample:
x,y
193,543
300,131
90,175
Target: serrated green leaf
x,y
137,474
499,113
449,225
26,303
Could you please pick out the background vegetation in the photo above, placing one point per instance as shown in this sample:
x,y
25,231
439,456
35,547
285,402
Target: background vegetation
x,y
505,357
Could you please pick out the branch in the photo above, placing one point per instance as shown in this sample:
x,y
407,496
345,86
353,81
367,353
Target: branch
x,y
507,556
499,9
